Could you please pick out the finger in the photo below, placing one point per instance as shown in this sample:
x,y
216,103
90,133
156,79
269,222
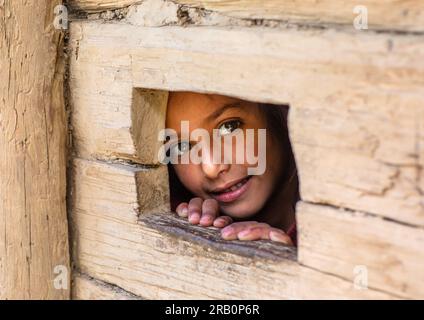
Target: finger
x,y
194,210
254,233
265,233
182,209
222,221
209,212
230,232
278,235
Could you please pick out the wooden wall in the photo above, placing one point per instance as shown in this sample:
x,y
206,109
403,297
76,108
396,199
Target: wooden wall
x,y
34,251
356,123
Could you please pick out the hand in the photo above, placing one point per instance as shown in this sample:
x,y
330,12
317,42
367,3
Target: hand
x,y
252,230
206,214
203,212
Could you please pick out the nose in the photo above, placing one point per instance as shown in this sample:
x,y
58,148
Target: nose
x,y
213,170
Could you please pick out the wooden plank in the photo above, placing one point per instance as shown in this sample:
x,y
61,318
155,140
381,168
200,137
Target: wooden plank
x,y
142,190
101,5
161,257
87,288
34,259
111,120
407,15
363,158
101,113
337,241
355,83
148,114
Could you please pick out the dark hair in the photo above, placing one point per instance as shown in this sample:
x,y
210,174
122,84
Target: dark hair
x,y
276,117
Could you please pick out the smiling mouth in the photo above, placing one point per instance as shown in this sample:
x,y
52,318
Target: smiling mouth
x,y
232,193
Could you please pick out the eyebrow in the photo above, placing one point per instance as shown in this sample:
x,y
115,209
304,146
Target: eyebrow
x,y
221,110
217,113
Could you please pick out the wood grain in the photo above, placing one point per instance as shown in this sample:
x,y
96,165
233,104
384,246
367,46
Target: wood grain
x,y
87,288
356,99
148,114
170,224
338,241
172,261
407,15
33,222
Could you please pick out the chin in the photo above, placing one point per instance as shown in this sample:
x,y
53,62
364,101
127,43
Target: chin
x,y
241,210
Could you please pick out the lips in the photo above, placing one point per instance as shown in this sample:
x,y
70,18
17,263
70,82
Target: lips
x,y
233,191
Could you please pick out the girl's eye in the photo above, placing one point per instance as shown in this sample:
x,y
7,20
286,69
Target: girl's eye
x,y
180,148
228,127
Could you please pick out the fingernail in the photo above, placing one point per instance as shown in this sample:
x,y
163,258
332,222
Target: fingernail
x,y
184,212
205,219
217,223
276,236
194,218
227,231
243,233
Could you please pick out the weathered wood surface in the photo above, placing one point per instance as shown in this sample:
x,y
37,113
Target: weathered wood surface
x,y
169,224
112,244
356,124
33,222
337,241
357,132
148,113
87,288
407,15
102,5
143,190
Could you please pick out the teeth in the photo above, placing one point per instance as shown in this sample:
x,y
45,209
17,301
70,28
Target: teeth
x,y
235,187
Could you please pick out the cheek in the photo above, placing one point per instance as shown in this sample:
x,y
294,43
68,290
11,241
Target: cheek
x,y
262,190
254,201
190,177
265,184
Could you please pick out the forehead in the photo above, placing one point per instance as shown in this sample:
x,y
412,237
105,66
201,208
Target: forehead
x,y
194,107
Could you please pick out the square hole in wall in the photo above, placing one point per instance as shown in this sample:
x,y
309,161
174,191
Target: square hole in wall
x,y
261,186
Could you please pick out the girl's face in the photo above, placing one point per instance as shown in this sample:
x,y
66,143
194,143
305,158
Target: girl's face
x,y
238,194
